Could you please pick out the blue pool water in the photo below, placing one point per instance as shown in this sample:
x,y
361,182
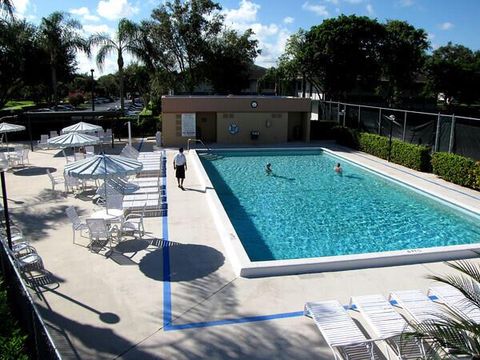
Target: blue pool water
x,y
304,209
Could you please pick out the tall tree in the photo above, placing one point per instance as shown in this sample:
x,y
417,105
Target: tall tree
x,y
18,55
295,63
453,70
228,61
181,31
344,52
59,36
126,40
7,6
403,56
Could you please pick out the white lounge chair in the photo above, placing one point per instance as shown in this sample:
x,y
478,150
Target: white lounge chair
x,y
389,325
53,133
456,301
417,305
343,337
77,224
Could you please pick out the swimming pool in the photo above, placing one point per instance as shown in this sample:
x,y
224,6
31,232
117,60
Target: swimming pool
x,y
305,210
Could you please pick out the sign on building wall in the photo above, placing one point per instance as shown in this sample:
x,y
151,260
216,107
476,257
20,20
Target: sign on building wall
x,y
188,125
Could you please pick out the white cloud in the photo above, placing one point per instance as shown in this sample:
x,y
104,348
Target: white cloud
x,y
430,36
247,12
370,10
446,26
21,6
354,1
406,3
320,10
93,29
116,9
271,37
84,14
288,20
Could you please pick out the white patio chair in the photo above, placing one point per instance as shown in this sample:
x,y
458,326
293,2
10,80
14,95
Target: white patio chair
x,y
25,159
343,337
456,301
133,223
101,135
79,156
28,261
89,151
55,180
108,135
418,305
68,158
98,231
77,224
158,141
53,133
72,184
389,325
43,142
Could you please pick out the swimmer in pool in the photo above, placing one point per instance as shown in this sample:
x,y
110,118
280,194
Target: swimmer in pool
x,y
338,169
268,169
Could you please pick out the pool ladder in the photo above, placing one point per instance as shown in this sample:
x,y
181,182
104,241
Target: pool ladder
x,y
197,141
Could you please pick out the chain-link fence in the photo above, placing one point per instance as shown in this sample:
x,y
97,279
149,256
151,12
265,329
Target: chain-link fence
x,y
40,342
442,132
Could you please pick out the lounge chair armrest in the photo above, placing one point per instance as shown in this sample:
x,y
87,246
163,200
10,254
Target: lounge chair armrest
x,y
366,342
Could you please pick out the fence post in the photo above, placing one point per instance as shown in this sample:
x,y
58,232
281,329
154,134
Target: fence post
x,y
404,126
338,112
452,134
359,116
437,134
344,114
380,122
330,110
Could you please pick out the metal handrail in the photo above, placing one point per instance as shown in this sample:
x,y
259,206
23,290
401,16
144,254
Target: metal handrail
x,y
197,141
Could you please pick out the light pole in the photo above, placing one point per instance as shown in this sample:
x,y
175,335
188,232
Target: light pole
x,y
93,91
3,168
392,121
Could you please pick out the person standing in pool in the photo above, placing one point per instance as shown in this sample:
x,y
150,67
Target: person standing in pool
x,y
338,169
268,169
180,166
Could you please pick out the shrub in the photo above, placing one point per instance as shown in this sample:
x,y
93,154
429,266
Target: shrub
x,y
346,136
413,156
456,169
12,341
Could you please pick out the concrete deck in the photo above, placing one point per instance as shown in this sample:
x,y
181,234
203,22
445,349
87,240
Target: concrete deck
x,y
118,304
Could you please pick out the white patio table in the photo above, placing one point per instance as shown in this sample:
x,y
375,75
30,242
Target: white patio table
x,y
113,215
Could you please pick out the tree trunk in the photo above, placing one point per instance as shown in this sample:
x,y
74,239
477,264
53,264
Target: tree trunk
x,y
120,76
54,85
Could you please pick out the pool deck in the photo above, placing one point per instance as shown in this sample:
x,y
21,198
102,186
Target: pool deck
x,y
175,295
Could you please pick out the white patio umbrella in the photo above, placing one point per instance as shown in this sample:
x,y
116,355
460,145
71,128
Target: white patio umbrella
x,y
103,167
7,127
82,127
72,139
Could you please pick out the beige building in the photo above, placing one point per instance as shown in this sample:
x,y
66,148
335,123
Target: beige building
x,y
245,120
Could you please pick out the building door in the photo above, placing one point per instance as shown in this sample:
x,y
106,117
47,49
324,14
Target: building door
x,y
207,127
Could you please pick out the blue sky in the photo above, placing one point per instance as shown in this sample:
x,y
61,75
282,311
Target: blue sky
x,y
273,21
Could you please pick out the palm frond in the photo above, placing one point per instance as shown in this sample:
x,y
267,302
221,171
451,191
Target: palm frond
x,y
103,52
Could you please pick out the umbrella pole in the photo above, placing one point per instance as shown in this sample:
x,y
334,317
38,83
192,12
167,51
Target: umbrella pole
x,y
105,182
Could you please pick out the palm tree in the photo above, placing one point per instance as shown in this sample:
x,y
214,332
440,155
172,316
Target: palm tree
x,y
454,330
7,5
60,39
126,40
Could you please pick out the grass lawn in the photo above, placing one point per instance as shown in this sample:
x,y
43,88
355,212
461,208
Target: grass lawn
x,y
17,105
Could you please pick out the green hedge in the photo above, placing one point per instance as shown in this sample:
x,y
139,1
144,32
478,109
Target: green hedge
x,y
416,157
457,169
12,341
